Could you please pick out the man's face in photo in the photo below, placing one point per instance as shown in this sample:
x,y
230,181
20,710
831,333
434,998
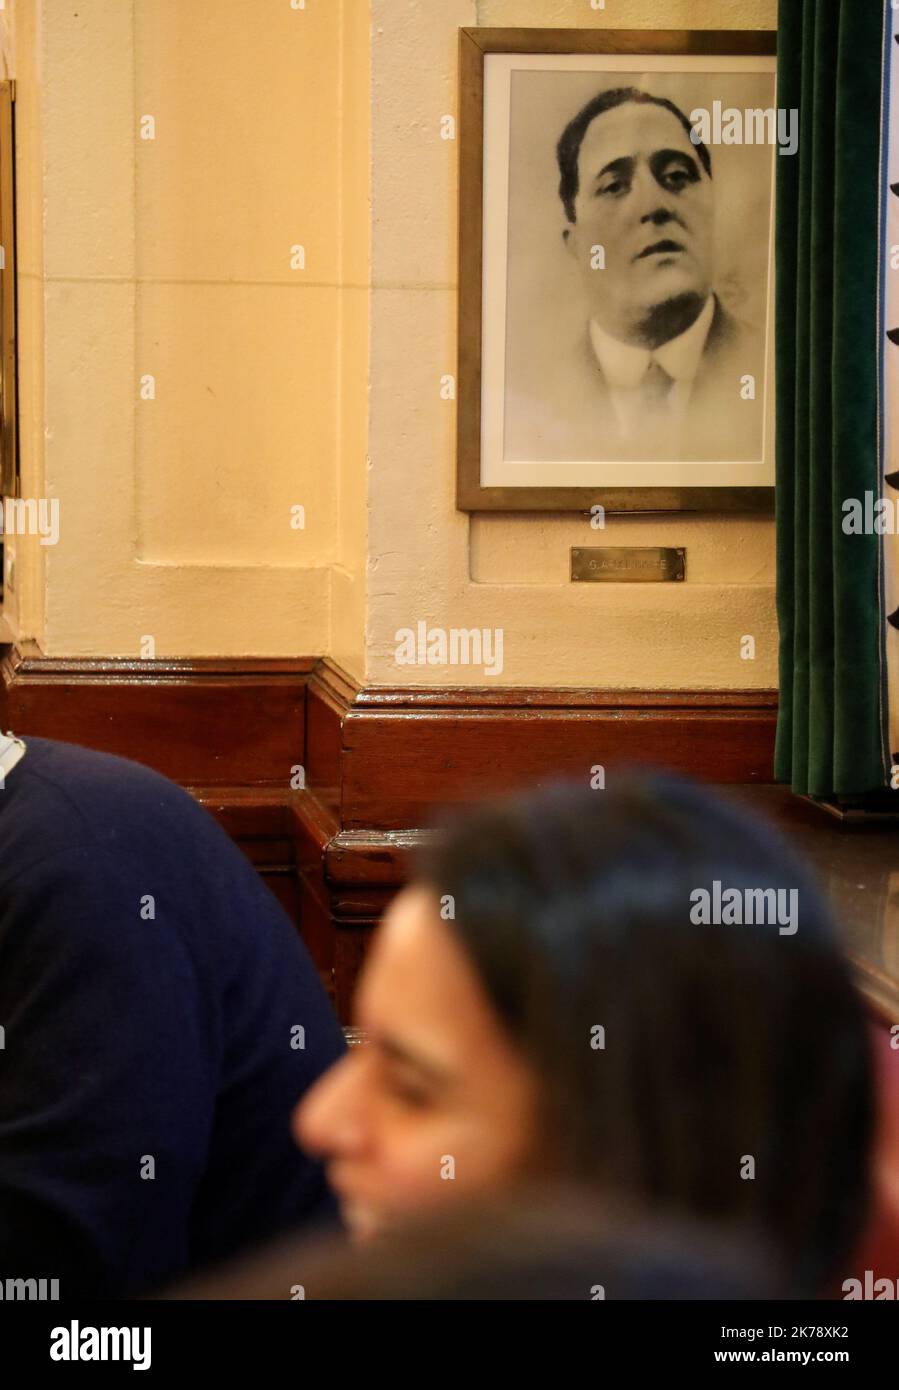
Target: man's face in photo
x,y
645,197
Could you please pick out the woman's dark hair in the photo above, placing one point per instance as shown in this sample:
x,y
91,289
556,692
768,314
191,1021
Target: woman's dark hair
x,y
692,1066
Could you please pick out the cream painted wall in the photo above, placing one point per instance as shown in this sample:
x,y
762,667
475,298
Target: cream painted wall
x,y
349,573
23,556
277,387
428,561
174,258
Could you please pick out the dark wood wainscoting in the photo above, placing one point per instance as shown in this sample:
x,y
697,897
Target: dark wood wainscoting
x,y
382,762
230,731
230,723
378,762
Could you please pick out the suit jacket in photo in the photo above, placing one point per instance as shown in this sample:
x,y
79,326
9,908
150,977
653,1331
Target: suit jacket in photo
x,y
560,407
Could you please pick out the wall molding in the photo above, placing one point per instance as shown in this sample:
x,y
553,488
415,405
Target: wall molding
x,y
382,761
379,762
391,756
203,722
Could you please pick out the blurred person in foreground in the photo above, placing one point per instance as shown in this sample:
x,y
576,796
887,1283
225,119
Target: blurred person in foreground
x,y
160,1018
560,995
546,1245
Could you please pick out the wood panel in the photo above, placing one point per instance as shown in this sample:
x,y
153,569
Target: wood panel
x,y
203,722
382,761
460,757
406,752
229,731
379,762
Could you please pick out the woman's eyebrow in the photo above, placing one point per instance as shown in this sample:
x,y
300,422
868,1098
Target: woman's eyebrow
x,y
395,1051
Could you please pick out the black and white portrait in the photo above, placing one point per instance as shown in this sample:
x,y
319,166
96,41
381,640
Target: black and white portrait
x,y
628,279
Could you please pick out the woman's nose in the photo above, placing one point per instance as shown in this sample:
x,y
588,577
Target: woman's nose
x,y
328,1120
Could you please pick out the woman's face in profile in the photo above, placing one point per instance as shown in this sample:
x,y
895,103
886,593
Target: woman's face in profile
x,y
438,1103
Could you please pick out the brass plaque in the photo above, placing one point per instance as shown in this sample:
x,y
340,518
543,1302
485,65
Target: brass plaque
x,y
627,564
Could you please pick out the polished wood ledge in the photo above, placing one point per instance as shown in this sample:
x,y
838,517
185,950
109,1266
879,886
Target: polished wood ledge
x,y
381,763
378,762
223,722
856,865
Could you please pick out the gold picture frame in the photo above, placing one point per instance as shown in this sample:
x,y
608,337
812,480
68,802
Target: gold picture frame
x,y
476,45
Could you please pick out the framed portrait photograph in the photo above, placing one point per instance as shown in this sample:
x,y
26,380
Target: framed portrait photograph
x,y
616,269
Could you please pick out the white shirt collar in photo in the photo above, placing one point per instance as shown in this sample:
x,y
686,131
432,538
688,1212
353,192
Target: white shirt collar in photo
x,y
624,366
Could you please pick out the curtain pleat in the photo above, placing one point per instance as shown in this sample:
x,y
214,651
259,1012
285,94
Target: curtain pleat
x,y
889,377
829,738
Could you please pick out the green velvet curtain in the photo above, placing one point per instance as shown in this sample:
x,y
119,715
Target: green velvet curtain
x,y
830,730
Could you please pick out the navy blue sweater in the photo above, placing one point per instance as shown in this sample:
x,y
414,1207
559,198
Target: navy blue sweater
x,y
161,1019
